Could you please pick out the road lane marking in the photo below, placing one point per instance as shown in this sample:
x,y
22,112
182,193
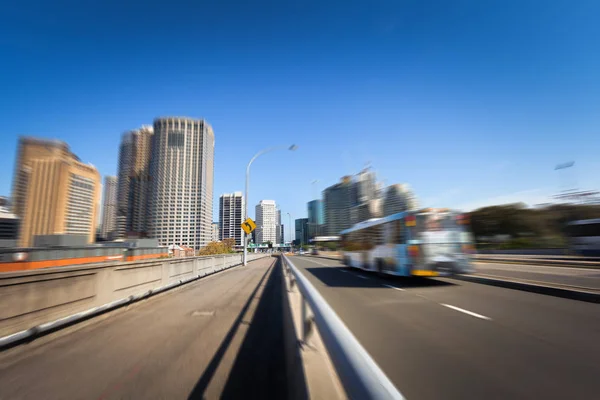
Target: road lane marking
x,y
393,287
344,271
467,312
363,277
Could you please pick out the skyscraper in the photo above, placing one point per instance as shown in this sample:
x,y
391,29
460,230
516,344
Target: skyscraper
x,y
231,216
398,198
182,171
315,218
266,221
29,149
55,192
302,230
134,181
124,173
365,204
337,201
109,207
279,228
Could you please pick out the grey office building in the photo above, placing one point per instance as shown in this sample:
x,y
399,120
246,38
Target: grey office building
x,y
302,230
337,201
182,171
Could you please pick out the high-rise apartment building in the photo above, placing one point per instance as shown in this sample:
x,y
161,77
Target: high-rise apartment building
x,y
231,216
398,198
182,171
302,230
337,201
366,210
364,197
109,207
316,218
54,192
29,149
215,232
134,181
364,187
266,221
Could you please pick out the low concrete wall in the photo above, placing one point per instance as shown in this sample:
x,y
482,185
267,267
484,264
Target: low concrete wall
x,y
32,298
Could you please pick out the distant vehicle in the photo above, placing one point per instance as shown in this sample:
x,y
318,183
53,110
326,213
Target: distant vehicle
x,y
314,251
584,237
301,252
428,242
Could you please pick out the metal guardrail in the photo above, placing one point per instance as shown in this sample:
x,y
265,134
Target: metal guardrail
x,y
360,376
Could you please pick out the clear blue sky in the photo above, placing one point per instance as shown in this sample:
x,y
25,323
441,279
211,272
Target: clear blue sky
x,y
470,102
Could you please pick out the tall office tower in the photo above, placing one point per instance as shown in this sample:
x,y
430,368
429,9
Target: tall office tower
x,y
109,207
266,221
134,181
337,201
279,228
302,230
364,195
182,171
315,218
365,186
124,173
215,232
398,198
366,210
55,192
231,216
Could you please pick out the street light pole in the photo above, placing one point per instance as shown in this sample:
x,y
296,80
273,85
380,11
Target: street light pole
x,y
290,226
260,153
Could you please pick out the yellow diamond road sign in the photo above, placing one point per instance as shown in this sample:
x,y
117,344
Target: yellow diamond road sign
x,y
248,226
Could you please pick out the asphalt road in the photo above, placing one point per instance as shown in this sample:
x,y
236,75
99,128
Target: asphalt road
x,y
578,277
220,337
449,339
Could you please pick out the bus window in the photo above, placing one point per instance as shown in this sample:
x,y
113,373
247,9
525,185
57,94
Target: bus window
x,y
379,238
400,232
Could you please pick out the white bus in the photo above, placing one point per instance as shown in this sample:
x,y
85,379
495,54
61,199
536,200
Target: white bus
x,y
428,242
584,237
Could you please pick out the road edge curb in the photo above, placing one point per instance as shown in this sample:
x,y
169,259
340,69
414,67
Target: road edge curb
x,y
533,288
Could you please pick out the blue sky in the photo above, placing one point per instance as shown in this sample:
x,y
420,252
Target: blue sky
x,y
470,102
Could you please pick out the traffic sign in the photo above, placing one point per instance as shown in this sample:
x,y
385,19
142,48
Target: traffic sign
x,y
248,226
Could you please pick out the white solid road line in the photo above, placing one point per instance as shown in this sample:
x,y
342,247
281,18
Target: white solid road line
x,y
342,270
467,312
361,276
393,287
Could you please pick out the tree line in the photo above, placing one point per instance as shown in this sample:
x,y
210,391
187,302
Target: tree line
x,y
519,226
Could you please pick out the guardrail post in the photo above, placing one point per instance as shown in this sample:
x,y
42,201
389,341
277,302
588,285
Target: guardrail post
x,y
307,322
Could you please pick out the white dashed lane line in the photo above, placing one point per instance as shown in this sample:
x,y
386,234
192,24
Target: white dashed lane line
x,y
471,313
362,277
394,287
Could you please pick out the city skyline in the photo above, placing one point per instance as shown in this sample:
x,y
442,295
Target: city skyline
x,y
450,103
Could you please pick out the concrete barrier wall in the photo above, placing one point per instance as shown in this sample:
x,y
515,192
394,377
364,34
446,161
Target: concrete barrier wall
x,y
32,298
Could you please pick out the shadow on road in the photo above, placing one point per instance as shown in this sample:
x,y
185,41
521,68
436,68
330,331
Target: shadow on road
x,y
346,277
268,364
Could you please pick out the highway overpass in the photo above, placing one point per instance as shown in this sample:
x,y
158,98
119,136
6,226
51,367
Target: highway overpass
x,y
231,334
